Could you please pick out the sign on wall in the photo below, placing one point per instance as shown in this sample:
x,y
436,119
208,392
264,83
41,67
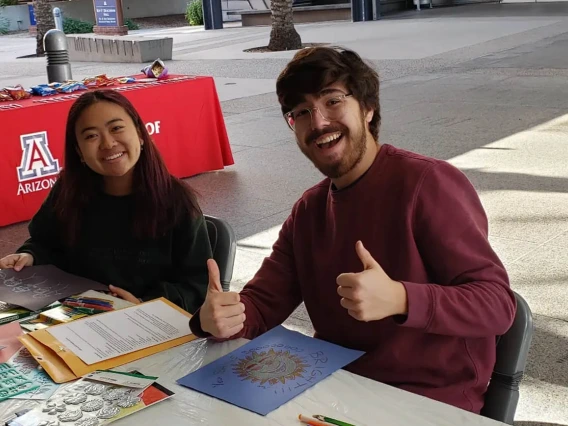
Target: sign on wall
x,y
32,14
106,13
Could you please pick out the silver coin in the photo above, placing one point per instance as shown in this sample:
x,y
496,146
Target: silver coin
x,y
75,398
91,421
128,401
92,405
70,416
95,389
108,413
48,407
113,394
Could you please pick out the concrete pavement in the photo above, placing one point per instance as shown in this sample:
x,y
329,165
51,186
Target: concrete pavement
x,y
482,86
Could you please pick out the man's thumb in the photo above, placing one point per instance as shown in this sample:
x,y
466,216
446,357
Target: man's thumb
x,y
366,258
214,277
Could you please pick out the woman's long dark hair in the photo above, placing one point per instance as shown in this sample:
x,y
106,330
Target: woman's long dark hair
x,y
161,200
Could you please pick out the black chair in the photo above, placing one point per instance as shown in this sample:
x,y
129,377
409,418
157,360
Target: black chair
x,y
512,350
224,246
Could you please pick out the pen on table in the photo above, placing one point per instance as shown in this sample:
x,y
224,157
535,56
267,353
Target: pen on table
x,y
310,421
330,420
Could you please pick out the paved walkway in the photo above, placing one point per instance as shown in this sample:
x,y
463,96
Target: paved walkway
x,y
483,86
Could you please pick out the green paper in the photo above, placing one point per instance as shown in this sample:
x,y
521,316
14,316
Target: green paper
x,y
13,383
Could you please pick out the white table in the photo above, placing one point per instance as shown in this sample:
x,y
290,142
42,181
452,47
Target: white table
x,y
343,396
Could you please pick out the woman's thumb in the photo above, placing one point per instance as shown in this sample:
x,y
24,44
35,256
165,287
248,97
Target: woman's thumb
x,y
19,263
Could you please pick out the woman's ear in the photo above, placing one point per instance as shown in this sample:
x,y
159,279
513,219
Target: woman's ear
x,y
369,116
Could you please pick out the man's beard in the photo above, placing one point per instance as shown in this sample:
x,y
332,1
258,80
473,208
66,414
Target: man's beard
x,y
354,150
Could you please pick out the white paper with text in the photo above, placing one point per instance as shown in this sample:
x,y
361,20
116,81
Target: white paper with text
x,y
101,337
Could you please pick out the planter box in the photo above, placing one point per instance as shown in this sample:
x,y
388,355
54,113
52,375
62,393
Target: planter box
x,y
128,49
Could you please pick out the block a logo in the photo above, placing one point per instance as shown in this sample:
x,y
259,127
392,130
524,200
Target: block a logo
x,y
37,160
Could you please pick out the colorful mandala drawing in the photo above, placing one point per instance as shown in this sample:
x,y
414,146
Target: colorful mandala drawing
x,y
270,367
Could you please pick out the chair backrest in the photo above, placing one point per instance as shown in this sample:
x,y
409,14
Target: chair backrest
x,y
224,246
512,350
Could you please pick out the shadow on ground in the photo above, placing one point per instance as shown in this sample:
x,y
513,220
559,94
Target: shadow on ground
x,y
548,356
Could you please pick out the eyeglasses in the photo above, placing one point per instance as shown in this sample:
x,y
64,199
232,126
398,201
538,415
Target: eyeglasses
x,y
332,110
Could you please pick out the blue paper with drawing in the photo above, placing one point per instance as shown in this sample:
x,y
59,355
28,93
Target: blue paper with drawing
x,y
270,370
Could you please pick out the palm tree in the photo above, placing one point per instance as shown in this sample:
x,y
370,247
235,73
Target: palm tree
x,y
44,22
283,35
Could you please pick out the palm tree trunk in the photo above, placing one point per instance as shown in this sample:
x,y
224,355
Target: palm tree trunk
x,y
45,22
283,35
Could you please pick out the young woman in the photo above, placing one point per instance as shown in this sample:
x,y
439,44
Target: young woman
x,y
116,215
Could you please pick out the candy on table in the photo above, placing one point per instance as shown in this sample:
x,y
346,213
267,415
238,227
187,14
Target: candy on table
x,y
71,86
17,92
98,81
124,80
43,90
156,70
5,96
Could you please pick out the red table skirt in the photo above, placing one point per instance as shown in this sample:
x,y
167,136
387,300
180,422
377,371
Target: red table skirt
x,y
182,114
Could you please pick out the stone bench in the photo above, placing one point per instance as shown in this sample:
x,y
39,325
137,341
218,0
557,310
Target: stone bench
x,y
302,14
132,49
319,13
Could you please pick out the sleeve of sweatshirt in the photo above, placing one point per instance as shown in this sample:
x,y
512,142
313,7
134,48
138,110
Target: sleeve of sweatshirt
x,y
273,293
186,283
45,243
471,296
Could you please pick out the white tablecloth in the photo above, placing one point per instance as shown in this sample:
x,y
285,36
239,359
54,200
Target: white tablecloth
x,y
343,396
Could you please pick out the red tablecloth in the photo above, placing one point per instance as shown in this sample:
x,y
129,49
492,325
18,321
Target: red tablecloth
x,y
182,114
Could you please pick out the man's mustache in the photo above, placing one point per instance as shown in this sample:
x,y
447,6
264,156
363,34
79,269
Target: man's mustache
x,y
315,134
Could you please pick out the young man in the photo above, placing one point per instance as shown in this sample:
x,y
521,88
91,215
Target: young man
x,y
389,253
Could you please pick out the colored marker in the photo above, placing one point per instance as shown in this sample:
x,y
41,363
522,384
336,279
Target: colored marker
x,y
332,421
310,421
89,311
87,305
89,301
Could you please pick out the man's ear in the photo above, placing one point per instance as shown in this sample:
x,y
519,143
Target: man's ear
x,y
369,116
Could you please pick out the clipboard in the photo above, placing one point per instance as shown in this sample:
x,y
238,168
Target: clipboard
x,y
63,365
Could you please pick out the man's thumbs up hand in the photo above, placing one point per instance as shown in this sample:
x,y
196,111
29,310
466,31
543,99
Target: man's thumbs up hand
x,y
366,258
371,295
222,314
214,277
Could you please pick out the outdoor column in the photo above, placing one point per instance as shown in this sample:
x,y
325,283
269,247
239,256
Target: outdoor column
x,y
108,16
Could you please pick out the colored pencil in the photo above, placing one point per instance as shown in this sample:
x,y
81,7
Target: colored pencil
x,y
332,421
310,421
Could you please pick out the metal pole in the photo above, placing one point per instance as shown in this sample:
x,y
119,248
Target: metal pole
x,y
376,10
207,15
217,14
356,10
58,66
58,18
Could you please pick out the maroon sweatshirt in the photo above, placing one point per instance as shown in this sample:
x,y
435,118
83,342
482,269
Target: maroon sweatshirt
x,y
422,220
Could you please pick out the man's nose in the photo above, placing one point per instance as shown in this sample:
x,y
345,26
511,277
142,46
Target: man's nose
x,y
318,119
